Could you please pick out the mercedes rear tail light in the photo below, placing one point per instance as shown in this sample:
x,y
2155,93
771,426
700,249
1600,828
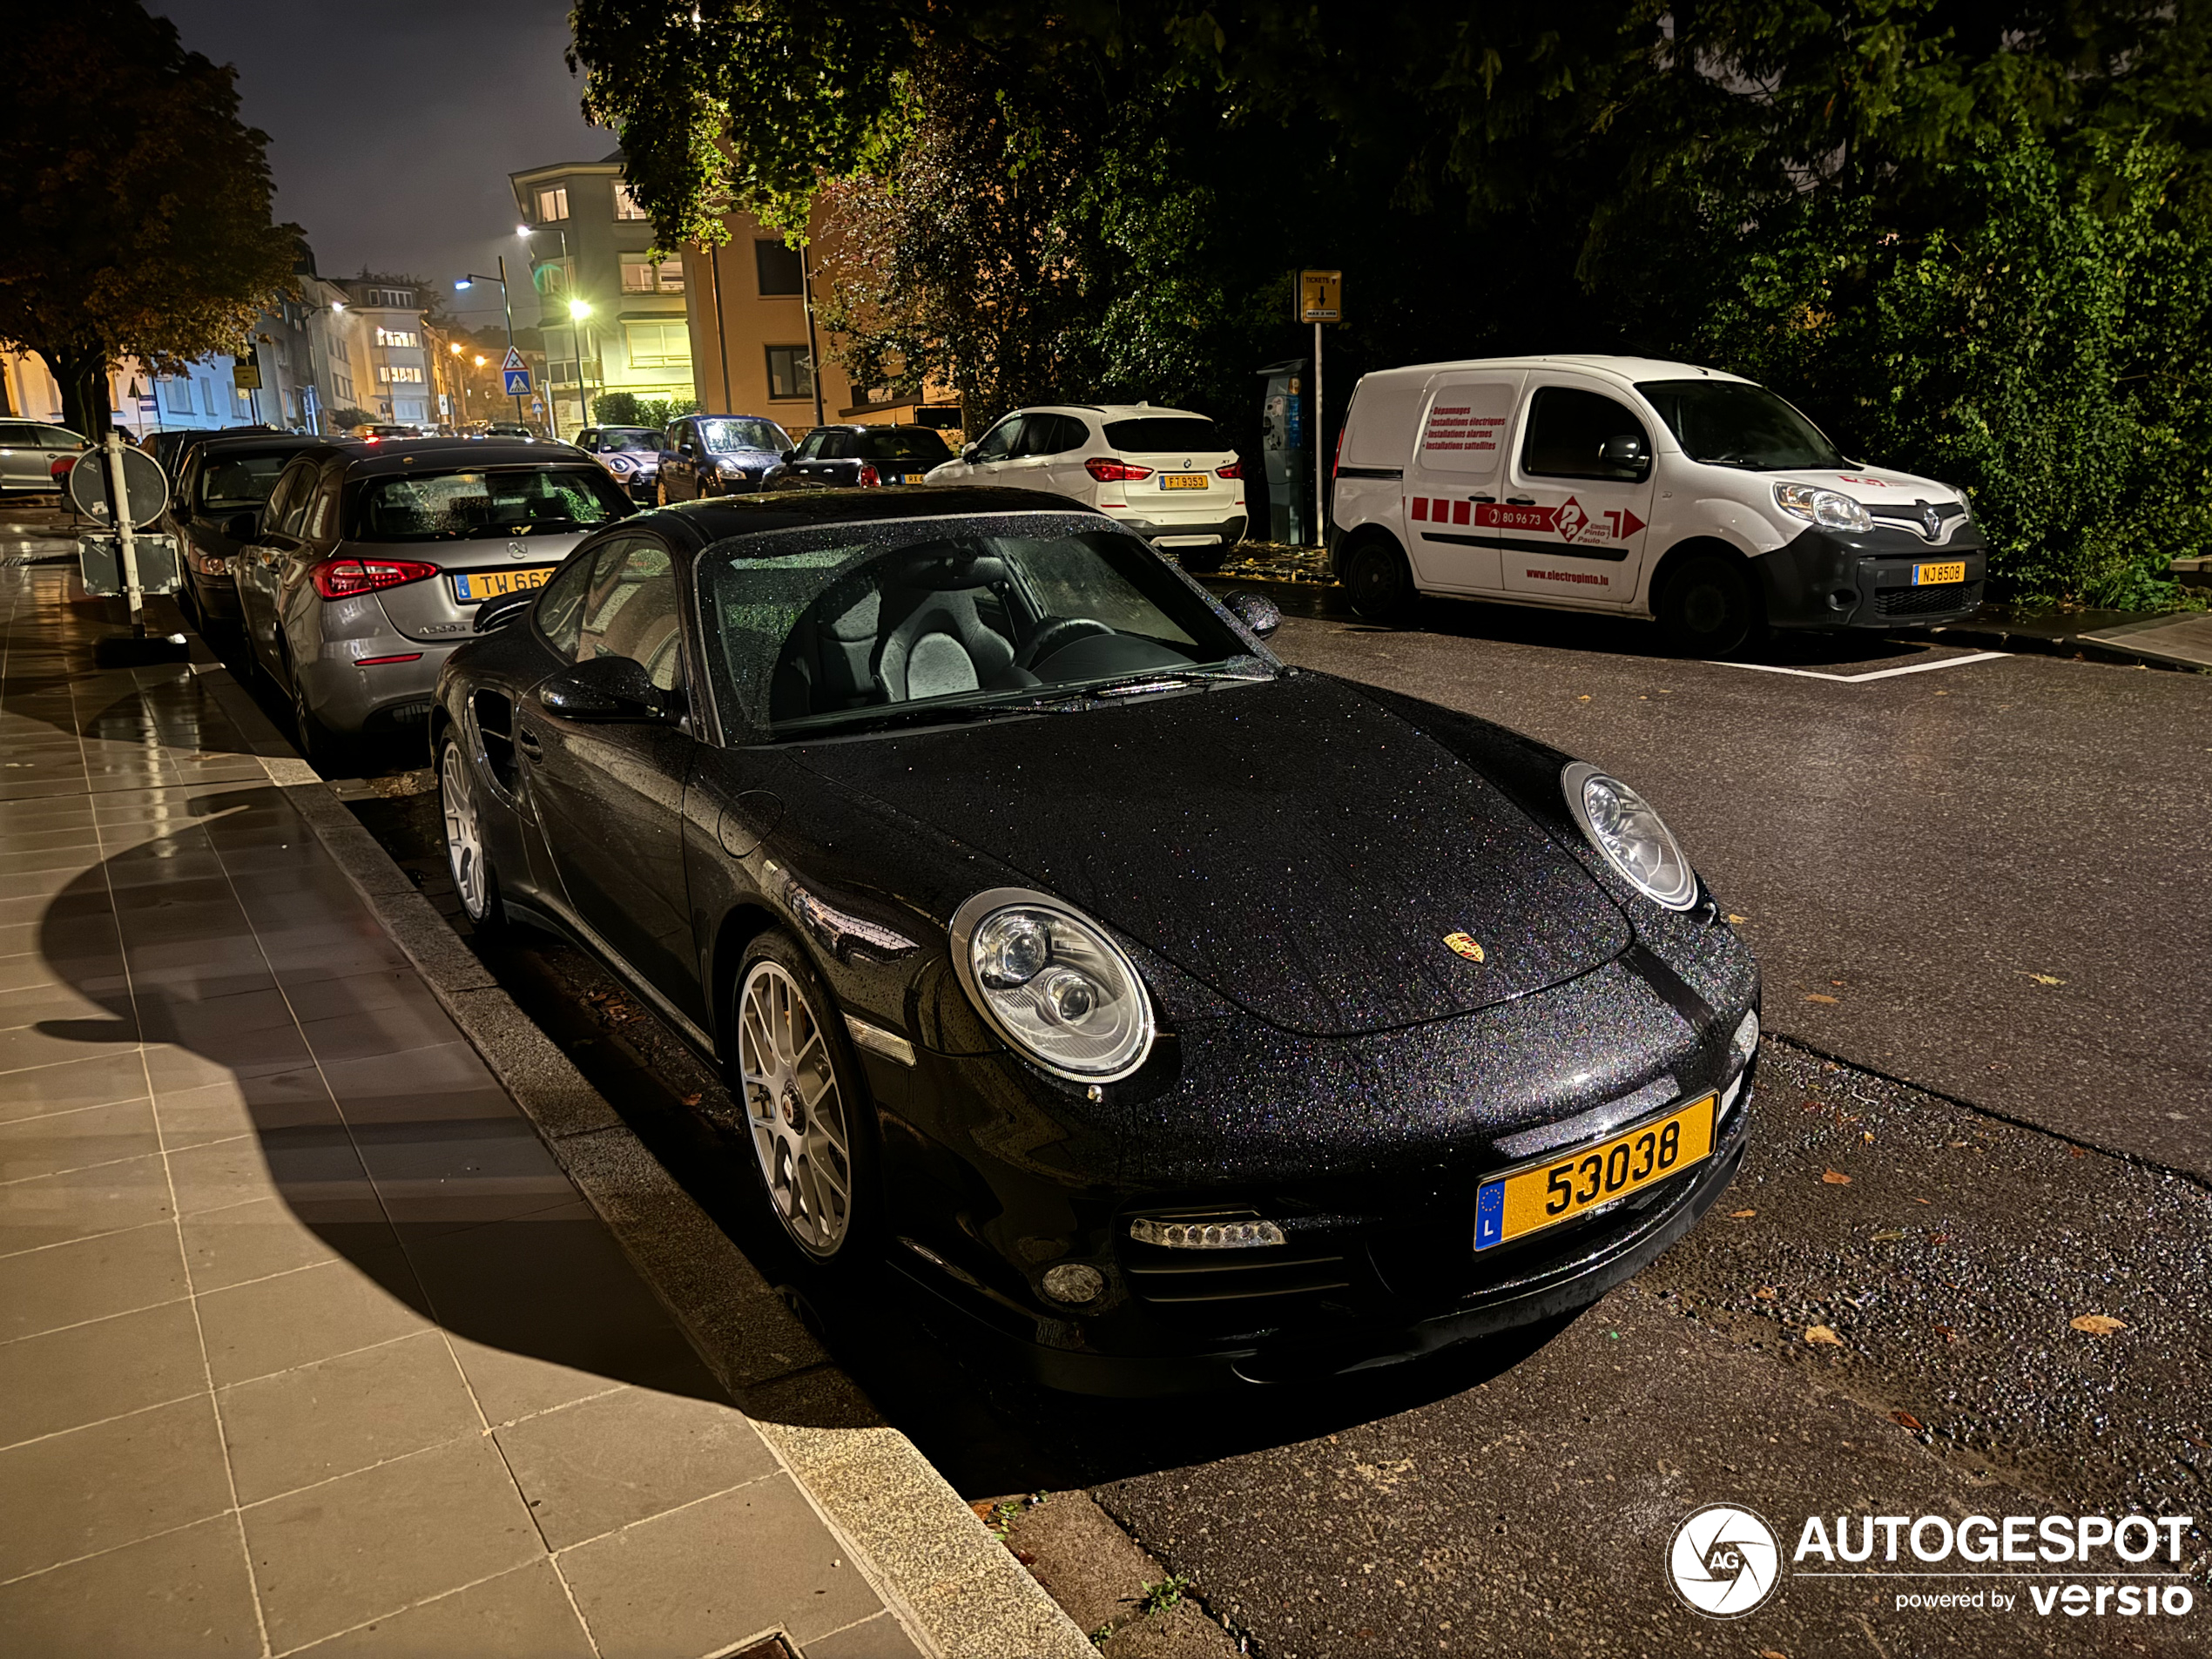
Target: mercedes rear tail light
x,y
1108,471
344,578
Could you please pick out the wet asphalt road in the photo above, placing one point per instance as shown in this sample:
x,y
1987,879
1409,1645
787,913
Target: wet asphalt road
x,y
1993,879
2039,816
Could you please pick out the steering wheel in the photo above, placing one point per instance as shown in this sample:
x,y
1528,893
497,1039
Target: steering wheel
x,y
1055,633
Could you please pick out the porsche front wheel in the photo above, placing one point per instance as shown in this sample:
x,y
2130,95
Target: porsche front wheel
x,y
474,880
804,1109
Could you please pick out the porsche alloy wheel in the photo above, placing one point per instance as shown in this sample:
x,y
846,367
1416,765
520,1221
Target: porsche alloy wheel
x,y
472,877
801,1131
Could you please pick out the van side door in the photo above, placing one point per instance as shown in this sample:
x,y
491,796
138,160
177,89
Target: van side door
x,y
1453,478
1573,526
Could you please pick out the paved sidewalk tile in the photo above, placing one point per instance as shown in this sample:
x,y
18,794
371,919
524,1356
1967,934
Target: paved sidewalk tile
x,y
305,1336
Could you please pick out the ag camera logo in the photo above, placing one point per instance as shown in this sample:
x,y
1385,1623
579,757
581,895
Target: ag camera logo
x,y
1725,1560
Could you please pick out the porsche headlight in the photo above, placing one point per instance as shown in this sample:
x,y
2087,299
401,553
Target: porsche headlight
x,y
1052,984
1829,509
1634,839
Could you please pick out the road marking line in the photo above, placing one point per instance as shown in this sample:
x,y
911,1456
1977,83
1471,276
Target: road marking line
x,y
1860,679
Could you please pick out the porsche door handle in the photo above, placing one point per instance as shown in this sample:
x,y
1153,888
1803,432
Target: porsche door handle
x,y
526,740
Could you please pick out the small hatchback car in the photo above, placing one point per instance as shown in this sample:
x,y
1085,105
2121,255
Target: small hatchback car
x,y
1166,473
365,568
1180,1016
631,453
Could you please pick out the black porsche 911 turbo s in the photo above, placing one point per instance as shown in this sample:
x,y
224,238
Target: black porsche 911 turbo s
x,y
1186,1016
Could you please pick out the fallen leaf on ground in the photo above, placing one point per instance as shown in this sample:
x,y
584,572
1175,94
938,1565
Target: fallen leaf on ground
x,y
1887,1234
1867,1135
1583,698
2098,1324
1767,1292
1741,1215
1821,1334
693,1099
1838,981
1773,1653
1949,1335
1929,1201
1738,920
1906,1419
1835,1179
1815,996
2045,979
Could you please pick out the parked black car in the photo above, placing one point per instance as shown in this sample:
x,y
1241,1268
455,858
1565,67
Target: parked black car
x,y
222,477
1180,1016
717,455
859,456
170,447
631,453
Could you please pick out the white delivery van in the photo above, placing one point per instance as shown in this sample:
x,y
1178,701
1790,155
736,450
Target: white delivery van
x,y
1625,486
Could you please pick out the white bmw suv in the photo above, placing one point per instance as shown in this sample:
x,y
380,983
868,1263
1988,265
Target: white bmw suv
x,y
1167,474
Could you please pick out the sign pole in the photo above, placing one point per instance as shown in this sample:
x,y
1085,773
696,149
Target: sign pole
x,y
1320,460
119,496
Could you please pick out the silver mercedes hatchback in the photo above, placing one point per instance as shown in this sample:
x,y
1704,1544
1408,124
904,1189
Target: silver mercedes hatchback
x,y
364,569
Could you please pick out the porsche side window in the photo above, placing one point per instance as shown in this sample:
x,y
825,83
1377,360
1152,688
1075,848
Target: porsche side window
x,y
630,609
560,607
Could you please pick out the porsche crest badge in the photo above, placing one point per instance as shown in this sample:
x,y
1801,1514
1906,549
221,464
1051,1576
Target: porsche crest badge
x,y
1465,946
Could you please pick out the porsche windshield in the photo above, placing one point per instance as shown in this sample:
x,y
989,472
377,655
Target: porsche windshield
x,y
1733,424
822,630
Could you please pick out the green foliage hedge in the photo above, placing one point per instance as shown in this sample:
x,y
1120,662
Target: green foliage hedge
x,y
2047,348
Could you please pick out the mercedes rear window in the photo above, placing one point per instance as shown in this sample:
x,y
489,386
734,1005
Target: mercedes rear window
x,y
1191,434
512,501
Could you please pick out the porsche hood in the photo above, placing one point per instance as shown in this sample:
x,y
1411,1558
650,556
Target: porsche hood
x,y
1301,851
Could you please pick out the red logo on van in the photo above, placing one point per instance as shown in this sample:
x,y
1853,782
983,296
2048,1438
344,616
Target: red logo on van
x,y
1567,521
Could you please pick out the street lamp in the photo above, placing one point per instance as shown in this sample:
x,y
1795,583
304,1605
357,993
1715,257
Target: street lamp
x,y
523,234
462,285
577,312
461,379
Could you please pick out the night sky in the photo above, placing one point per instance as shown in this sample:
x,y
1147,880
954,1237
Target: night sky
x,y
392,126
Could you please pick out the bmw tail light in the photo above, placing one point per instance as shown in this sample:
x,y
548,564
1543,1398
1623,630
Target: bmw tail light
x,y
344,578
1109,471
868,474
1234,470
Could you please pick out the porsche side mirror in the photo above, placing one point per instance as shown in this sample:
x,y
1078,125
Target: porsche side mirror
x,y
494,614
788,457
969,454
605,691
242,527
1257,611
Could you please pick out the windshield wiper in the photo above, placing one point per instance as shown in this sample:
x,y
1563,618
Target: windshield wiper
x,y
1166,679
930,714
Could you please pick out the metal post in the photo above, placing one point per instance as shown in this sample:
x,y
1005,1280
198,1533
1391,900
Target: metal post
x,y
507,306
814,345
119,499
1321,462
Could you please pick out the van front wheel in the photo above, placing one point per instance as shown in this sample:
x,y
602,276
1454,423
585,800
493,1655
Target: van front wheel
x,y
1379,581
1708,608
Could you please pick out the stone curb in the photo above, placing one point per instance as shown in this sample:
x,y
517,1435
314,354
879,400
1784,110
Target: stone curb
x,y
2113,652
953,1585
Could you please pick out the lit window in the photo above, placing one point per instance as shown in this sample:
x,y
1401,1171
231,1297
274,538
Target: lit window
x,y
397,337
653,345
554,203
405,373
641,276
790,374
626,203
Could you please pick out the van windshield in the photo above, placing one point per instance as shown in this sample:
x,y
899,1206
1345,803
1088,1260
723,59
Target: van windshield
x,y
1732,424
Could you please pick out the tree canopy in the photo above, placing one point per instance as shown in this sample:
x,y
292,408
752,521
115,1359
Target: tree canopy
x,y
137,202
1106,200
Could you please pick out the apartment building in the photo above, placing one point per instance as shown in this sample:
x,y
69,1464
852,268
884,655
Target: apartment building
x,y
611,318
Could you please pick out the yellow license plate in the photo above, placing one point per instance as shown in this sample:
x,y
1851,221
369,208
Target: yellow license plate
x,y
1183,481
913,478
1931,575
1537,1196
489,585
